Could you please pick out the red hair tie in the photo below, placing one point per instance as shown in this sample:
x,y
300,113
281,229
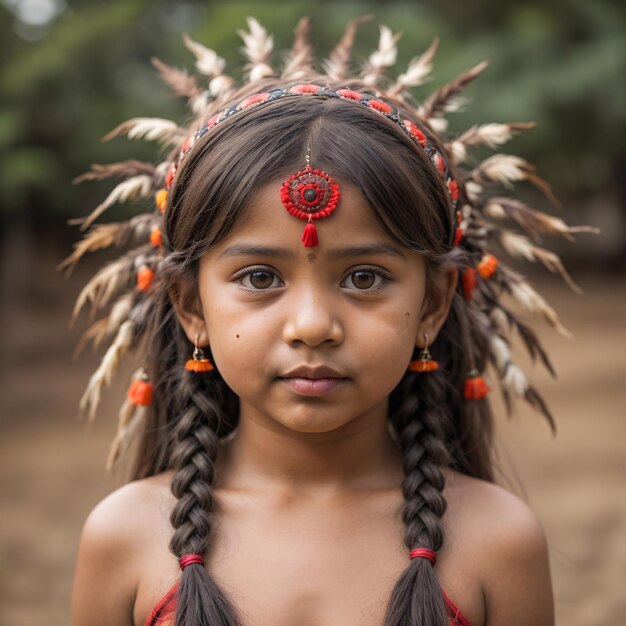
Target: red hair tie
x,y
190,559
425,553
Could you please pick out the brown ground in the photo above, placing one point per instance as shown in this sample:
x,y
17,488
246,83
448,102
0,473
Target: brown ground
x,y
53,464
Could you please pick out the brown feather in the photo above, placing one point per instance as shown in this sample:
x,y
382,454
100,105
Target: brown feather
x,y
124,169
107,282
534,222
180,81
337,66
536,401
299,59
435,105
105,235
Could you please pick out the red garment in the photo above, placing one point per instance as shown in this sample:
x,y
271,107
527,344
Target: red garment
x,y
163,613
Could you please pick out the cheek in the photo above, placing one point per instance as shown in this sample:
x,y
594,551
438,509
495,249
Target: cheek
x,y
237,337
391,334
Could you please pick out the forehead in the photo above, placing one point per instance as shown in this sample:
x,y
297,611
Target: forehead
x,y
264,221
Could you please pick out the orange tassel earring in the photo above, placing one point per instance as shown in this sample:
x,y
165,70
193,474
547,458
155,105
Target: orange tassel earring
x,y
475,386
198,362
425,363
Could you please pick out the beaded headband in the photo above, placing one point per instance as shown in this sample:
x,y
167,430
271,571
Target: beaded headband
x,y
373,102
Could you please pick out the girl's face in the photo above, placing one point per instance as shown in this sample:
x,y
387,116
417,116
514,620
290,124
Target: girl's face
x,y
312,338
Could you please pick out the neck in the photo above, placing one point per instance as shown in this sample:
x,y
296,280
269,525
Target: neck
x,y
264,455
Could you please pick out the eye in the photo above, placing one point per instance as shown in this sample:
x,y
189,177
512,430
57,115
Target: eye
x,y
365,279
259,279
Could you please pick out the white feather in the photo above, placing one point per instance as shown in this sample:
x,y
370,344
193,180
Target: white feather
x,y
384,56
494,134
531,300
515,380
499,318
521,247
495,210
473,190
458,152
418,71
101,287
260,71
438,124
504,168
221,85
200,102
103,375
500,352
131,188
154,129
119,312
258,45
208,62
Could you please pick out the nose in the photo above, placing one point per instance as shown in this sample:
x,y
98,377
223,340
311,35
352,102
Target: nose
x,y
312,319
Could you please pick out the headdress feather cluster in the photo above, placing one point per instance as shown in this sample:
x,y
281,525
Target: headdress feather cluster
x,y
123,287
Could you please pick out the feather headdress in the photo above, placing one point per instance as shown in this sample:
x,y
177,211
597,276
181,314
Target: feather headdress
x,y
124,286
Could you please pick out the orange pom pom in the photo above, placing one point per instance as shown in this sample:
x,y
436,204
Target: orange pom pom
x,y
469,282
145,276
140,393
487,265
155,237
475,387
423,365
198,365
160,199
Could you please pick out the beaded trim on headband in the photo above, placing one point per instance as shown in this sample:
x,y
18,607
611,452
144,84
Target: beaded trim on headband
x,y
376,103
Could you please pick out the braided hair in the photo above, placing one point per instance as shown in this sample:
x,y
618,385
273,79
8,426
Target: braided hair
x,y
423,198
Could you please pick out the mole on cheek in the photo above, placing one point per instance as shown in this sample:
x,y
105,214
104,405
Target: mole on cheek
x,y
408,314
237,336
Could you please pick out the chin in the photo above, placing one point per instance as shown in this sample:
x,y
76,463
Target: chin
x,y
312,422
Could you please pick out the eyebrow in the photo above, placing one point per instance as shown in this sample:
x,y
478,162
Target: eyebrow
x,y
333,255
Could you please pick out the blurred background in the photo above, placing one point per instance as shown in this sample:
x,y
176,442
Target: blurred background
x,y
74,69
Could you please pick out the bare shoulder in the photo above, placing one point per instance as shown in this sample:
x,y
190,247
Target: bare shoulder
x,y
113,543
509,550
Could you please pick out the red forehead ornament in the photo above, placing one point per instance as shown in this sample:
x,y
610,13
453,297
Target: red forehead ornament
x,y
309,194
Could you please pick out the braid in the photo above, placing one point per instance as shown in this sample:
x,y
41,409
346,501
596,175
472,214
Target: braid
x,y
200,600
422,423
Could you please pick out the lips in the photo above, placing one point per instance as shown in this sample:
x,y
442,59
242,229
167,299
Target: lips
x,y
313,372
310,380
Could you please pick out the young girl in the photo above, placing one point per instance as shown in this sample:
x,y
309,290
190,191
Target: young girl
x,y
312,315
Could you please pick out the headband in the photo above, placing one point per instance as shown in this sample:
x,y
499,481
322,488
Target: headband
x,y
373,102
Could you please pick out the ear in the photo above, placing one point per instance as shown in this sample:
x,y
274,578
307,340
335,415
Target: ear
x,y
186,302
437,305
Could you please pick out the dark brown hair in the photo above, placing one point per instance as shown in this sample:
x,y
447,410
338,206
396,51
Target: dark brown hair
x,y
435,427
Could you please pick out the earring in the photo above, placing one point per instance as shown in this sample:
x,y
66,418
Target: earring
x,y
198,362
425,363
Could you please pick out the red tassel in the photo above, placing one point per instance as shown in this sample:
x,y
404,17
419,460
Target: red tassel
x,y
198,365
475,386
469,282
423,365
487,265
309,236
155,237
458,235
145,276
140,393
